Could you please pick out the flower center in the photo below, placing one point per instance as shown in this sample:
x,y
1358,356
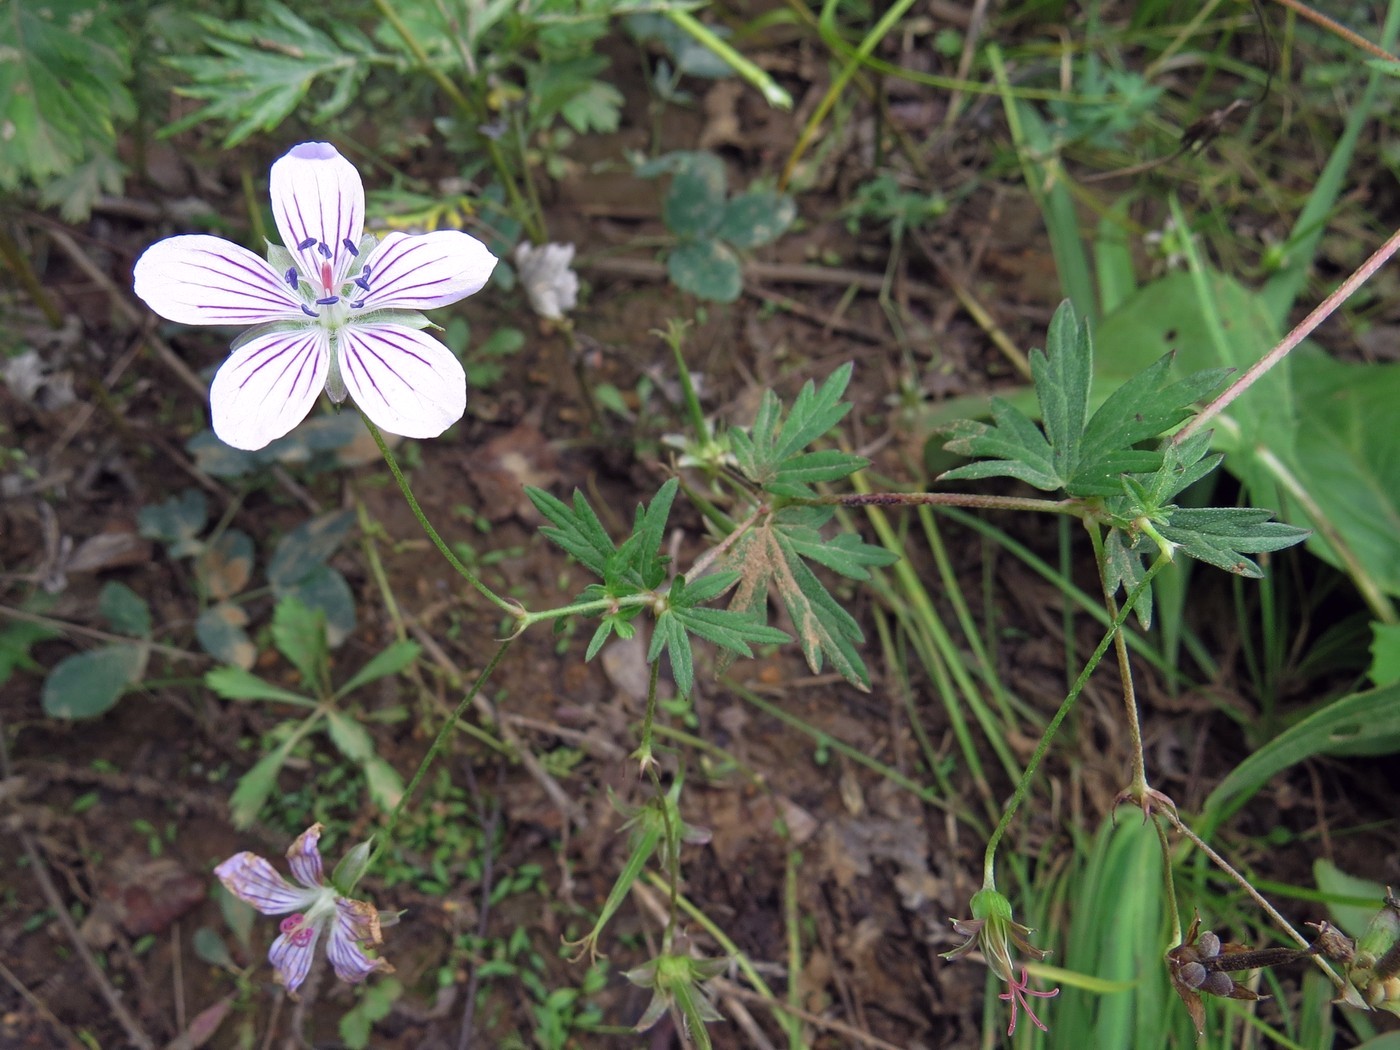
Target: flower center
x,y
331,307
298,930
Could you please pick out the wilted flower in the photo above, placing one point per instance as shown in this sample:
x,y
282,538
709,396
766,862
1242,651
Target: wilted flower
x,y
994,931
545,274
676,980
990,928
333,310
316,906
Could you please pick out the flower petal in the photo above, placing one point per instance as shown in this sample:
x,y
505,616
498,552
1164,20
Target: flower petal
x,y
317,197
268,385
304,855
355,922
427,270
406,382
291,955
198,279
254,881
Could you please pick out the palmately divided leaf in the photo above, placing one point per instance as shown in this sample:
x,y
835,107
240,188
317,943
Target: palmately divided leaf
x,y
1063,373
1222,536
1012,447
575,529
770,453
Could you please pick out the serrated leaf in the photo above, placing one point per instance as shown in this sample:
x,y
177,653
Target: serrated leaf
x,y
707,269
88,684
756,218
125,610
774,447
1011,447
299,633
695,200
63,88
1063,372
351,738
845,553
639,558
391,660
576,530
669,633
234,683
1222,536
264,69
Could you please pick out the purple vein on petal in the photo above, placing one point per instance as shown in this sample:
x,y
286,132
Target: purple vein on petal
x,y
393,278
303,350
364,376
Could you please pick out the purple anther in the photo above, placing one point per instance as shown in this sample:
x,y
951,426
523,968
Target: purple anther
x,y
291,277
350,246
309,312
306,244
329,300
325,251
362,282
357,304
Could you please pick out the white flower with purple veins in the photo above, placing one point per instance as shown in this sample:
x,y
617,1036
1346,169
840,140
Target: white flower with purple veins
x,y
333,310
313,908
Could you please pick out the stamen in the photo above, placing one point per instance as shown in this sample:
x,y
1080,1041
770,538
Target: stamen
x,y
329,300
350,247
361,282
309,312
306,244
357,304
325,251
291,278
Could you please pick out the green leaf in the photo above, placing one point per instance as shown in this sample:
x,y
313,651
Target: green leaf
x,y
234,683
597,106
351,738
391,660
1385,654
125,610
1221,536
306,548
220,631
16,639
1359,724
707,269
88,684
1063,372
1346,456
357,1023
695,201
257,784
324,589
670,634
639,560
63,88
177,522
771,451
1011,447
264,69
384,784
756,218
299,633
575,529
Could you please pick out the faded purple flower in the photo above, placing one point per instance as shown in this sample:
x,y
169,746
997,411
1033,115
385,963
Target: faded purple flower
x,y
315,907
333,310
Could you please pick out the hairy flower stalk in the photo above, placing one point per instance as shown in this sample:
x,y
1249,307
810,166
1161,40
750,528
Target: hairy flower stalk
x,y
334,310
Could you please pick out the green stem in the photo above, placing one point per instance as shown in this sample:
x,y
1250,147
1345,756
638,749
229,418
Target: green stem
x,y
644,753
438,743
501,603
603,605
1023,787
